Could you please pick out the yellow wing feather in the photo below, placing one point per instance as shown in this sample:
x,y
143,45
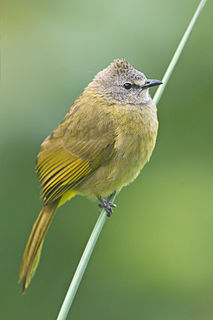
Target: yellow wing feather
x,y
62,173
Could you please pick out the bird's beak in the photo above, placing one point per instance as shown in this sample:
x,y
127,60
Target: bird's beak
x,y
151,83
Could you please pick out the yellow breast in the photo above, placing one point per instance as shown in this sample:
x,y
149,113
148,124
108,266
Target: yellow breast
x,y
136,131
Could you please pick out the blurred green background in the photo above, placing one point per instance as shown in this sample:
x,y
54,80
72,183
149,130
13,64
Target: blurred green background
x,y
154,259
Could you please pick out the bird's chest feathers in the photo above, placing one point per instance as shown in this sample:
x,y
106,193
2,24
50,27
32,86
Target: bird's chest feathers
x,y
137,134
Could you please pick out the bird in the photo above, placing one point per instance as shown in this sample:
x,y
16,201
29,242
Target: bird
x,y
101,145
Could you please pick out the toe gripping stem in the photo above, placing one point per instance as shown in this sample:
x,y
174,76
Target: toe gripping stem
x,y
106,205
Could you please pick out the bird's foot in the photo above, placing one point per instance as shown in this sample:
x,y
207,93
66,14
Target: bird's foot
x,y
106,205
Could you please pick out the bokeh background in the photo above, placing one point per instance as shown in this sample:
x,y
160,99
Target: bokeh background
x,y
154,259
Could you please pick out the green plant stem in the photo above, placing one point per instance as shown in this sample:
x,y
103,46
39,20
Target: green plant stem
x,y
178,52
102,218
83,263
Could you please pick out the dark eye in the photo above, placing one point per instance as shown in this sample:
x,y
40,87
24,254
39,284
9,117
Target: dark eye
x,y
127,85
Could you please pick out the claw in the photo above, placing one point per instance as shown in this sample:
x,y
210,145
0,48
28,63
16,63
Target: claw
x,y
107,206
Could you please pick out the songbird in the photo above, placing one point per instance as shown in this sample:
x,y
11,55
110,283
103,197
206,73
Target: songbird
x,y
102,144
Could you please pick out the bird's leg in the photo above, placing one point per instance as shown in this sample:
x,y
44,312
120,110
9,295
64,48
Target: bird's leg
x,y
106,205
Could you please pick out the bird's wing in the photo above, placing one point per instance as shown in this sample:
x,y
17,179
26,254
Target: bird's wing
x,y
74,151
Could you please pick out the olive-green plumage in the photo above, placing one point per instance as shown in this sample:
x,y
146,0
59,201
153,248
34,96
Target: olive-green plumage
x,y
101,145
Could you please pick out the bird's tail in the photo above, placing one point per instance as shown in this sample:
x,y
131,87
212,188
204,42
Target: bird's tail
x,y
35,242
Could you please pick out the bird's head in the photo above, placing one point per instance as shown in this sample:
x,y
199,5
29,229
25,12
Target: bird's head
x,y
121,83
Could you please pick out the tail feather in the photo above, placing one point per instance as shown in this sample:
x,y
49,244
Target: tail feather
x,y
34,245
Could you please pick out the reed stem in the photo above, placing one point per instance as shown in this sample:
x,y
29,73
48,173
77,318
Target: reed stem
x,y
102,218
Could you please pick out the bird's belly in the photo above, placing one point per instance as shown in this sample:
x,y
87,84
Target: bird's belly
x,y
132,153
130,161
